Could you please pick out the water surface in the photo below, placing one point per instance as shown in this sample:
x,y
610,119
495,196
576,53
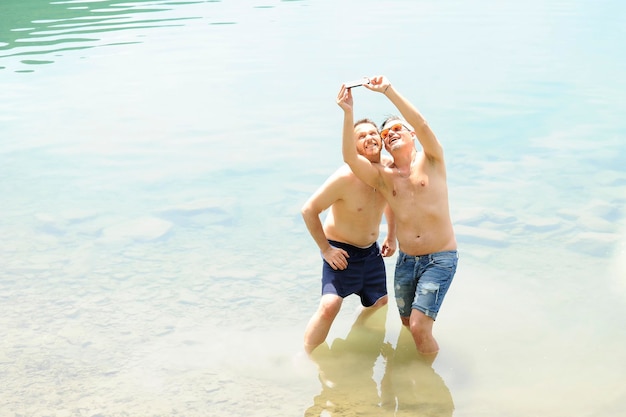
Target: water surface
x,y
154,157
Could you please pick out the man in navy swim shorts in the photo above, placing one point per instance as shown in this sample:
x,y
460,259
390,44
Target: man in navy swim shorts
x,y
347,240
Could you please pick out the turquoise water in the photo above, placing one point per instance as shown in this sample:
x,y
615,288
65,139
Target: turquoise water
x,y
154,157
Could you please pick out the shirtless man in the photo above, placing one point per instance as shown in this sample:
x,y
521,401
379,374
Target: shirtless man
x,y
415,187
348,238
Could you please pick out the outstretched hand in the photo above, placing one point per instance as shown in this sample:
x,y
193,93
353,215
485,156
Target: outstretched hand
x,y
344,98
379,83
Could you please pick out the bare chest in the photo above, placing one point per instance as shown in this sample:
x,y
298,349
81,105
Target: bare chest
x,y
420,192
415,185
363,199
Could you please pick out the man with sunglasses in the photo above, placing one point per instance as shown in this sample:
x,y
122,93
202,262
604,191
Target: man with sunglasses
x,y
348,238
415,188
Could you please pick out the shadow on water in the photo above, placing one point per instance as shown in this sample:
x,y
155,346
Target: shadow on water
x,y
409,386
36,32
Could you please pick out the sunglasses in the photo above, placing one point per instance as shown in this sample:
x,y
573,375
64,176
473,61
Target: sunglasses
x,y
398,127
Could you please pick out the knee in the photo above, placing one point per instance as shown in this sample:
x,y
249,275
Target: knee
x,y
419,332
329,310
420,325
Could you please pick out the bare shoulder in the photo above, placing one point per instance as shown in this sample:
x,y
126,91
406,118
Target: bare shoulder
x,y
342,175
344,171
387,166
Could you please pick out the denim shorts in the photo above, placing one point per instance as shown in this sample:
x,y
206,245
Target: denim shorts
x,y
421,282
365,275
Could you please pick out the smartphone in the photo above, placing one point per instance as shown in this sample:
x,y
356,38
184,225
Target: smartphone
x,y
357,83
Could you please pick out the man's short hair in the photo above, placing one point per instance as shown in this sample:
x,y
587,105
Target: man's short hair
x,y
388,118
364,121
395,117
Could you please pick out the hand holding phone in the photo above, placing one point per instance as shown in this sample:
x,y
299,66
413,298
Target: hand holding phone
x,y
357,83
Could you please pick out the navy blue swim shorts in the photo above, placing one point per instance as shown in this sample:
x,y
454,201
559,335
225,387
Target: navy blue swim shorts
x,y
365,275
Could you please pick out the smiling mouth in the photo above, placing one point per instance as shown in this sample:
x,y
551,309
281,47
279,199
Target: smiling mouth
x,y
371,145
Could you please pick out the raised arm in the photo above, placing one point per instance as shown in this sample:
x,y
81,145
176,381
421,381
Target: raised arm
x,y
360,165
431,146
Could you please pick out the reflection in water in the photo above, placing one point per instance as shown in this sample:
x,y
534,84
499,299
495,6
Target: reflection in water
x,y
409,386
346,370
36,31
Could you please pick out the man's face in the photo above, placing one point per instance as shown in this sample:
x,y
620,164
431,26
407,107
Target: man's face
x,y
368,142
395,134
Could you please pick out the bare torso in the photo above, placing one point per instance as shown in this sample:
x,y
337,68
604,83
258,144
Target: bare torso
x,y
419,201
356,217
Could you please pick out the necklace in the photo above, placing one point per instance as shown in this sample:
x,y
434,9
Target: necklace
x,y
410,166
402,175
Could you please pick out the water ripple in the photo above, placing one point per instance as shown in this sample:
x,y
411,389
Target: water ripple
x,y
35,38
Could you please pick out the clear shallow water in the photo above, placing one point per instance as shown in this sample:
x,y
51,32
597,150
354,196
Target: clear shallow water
x,y
155,155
